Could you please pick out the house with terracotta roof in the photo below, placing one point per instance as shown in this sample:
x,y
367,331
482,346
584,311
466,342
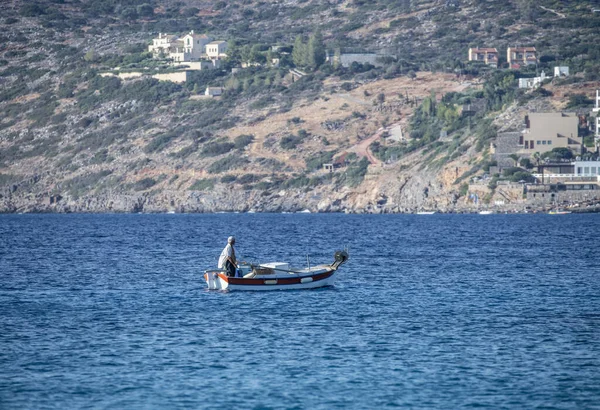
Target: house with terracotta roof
x,y
488,56
521,56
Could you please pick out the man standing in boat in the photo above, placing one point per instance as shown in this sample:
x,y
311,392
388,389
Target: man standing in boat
x,y
227,259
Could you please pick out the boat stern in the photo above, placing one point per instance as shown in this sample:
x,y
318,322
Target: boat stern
x,y
216,280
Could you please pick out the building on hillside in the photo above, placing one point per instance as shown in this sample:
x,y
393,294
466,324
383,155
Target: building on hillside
x,y
488,56
546,131
190,48
521,56
532,82
346,59
194,45
216,50
197,65
561,71
163,44
213,91
586,168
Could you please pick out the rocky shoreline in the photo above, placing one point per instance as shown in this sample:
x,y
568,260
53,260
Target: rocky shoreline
x,y
247,202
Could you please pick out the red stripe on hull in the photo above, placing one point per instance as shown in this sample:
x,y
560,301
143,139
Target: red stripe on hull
x,y
280,281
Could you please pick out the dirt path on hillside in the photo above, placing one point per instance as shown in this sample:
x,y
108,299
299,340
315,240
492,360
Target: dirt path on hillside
x,y
362,148
355,100
561,15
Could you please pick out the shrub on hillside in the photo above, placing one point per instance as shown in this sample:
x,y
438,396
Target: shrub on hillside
x,y
355,173
248,178
226,164
203,185
83,183
159,143
578,101
291,141
316,161
558,154
145,183
226,179
243,140
215,148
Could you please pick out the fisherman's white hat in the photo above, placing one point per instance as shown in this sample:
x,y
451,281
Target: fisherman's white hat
x,y
231,239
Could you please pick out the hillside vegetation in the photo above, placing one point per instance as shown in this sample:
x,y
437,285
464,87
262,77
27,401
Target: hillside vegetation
x,y
73,139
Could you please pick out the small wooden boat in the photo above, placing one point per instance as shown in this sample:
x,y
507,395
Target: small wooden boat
x,y
275,276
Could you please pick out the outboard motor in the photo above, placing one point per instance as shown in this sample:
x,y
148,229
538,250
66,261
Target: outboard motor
x,y
340,258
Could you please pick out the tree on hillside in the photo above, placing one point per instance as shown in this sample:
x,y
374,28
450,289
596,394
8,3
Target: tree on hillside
x,y
579,101
429,105
315,51
128,14
309,55
299,52
558,153
91,56
234,50
145,10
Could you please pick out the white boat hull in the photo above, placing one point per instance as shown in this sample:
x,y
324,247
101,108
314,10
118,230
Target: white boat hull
x,y
217,280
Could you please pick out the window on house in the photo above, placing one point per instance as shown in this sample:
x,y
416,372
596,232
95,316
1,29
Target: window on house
x,y
586,170
526,144
539,142
544,142
549,142
594,171
578,170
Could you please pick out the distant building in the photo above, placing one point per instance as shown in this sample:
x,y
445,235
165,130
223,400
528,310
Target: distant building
x,y
488,56
546,131
562,71
532,82
346,59
586,168
190,48
520,56
213,91
163,44
216,50
193,46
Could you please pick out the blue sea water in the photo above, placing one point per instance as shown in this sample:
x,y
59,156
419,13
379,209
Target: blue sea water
x,y
430,312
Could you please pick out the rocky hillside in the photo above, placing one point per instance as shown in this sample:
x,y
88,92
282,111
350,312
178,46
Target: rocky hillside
x,y
73,139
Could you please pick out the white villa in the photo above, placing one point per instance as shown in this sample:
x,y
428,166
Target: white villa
x,y
216,50
190,47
